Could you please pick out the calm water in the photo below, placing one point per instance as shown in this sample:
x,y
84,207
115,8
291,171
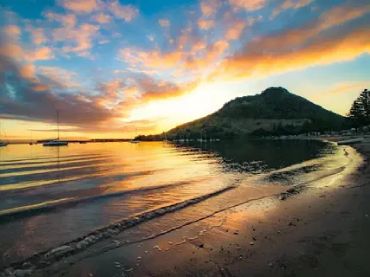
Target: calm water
x,y
52,195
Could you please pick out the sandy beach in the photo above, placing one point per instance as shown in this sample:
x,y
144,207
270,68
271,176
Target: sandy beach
x,y
318,227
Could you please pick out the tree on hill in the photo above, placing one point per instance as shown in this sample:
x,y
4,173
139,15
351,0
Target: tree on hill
x,y
360,110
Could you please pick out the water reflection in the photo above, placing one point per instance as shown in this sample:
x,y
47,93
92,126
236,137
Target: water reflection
x,y
251,155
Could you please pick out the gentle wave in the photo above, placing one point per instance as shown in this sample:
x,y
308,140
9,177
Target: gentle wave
x,y
61,180
47,164
51,168
85,241
37,159
33,209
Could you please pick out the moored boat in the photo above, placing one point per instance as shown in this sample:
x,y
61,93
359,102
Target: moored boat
x,y
3,143
56,142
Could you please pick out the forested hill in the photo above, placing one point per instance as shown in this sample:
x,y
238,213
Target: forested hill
x,y
275,111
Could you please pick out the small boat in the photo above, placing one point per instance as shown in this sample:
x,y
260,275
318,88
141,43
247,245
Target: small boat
x,y
3,143
56,142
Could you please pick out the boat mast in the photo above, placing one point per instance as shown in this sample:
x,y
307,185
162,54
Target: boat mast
x,y
58,123
2,134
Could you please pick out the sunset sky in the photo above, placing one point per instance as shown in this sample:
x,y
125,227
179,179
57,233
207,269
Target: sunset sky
x,y
120,68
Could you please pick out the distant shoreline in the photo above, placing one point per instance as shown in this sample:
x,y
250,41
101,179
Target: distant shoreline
x,y
331,138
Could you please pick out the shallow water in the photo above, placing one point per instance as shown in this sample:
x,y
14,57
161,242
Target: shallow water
x,y
49,196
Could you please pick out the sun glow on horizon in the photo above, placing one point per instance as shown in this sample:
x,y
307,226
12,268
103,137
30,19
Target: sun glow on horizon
x,y
203,100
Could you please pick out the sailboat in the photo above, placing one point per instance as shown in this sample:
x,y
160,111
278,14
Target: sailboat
x,y
56,142
2,142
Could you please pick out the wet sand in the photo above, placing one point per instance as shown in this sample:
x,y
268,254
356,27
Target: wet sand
x,y
322,230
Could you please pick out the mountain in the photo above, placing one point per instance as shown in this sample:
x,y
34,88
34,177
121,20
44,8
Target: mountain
x,y
275,111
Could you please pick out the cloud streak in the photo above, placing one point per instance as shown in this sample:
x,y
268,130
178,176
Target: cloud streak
x,y
290,4
302,47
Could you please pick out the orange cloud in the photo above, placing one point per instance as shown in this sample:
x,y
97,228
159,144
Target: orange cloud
x,y
102,18
250,5
38,36
12,32
209,7
184,38
151,59
290,4
59,76
131,92
9,44
113,92
80,6
27,71
198,46
205,24
157,89
67,20
261,61
191,59
235,30
294,38
125,97
125,12
347,87
198,60
12,48
43,53
209,59
340,15
77,40
40,87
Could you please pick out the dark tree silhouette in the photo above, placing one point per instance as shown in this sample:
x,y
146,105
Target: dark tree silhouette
x,y
360,110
